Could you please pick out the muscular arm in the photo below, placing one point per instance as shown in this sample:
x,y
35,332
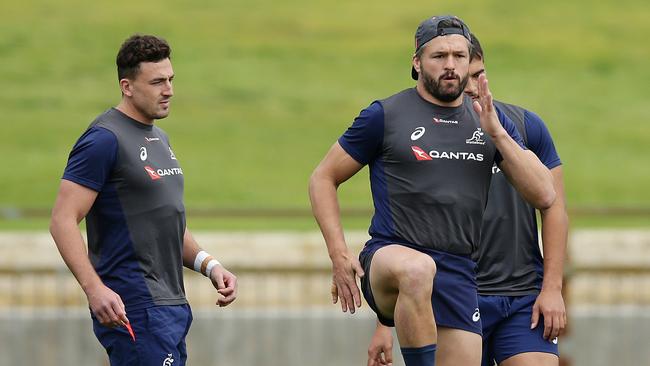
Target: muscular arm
x,y
555,225
336,168
526,173
190,249
522,168
72,204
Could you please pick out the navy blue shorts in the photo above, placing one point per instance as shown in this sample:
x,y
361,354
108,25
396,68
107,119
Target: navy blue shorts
x,y
454,297
159,337
506,328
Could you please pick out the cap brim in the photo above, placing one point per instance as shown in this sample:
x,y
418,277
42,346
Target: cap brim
x,y
414,74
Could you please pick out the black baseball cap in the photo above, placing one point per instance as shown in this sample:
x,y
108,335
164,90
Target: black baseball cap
x,y
430,28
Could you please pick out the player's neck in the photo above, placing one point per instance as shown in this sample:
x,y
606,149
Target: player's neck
x,y
133,113
424,94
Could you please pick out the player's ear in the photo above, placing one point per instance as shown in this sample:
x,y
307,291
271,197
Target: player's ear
x,y
126,87
416,63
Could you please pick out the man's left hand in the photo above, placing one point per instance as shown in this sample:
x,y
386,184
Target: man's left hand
x,y
550,305
225,283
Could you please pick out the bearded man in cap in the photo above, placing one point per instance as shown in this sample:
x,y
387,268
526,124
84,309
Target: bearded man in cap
x,y
430,150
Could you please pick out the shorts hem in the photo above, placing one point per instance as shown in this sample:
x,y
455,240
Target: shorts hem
x,y
455,326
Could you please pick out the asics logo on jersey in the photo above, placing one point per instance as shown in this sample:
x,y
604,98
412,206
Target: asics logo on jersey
x,y
477,138
554,340
417,133
495,169
169,360
143,153
420,154
150,139
173,157
476,316
446,121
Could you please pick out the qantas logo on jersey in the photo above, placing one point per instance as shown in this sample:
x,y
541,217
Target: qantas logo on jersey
x,y
420,154
152,173
450,155
445,121
156,174
477,138
455,155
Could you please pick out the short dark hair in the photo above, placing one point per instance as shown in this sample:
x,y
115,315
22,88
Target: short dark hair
x,y
476,51
140,48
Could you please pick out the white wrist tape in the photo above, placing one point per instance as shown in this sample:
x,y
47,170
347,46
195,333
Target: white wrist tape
x,y
208,269
200,257
204,262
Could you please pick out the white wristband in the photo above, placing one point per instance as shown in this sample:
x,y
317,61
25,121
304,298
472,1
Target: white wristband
x,y
200,257
208,268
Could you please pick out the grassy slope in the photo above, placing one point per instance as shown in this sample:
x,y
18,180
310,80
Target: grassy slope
x,y
264,88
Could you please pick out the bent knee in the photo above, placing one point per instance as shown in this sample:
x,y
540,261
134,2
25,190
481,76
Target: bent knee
x,y
416,273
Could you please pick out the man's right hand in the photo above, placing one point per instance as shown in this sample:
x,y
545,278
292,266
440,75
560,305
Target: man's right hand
x,y
380,350
345,270
107,306
484,107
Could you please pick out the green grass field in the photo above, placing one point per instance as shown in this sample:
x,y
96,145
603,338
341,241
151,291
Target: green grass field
x,y
264,88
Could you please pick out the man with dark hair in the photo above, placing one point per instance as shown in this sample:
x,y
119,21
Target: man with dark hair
x,y
520,292
515,285
430,151
124,179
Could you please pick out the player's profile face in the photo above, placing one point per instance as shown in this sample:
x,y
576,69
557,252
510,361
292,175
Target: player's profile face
x,y
476,68
151,89
444,66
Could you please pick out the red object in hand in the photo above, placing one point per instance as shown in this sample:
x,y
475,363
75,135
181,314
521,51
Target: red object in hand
x,y
128,327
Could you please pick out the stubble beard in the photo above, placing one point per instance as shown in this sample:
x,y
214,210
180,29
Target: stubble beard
x,y
153,112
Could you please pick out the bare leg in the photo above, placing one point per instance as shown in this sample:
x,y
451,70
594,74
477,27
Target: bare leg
x,y
458,347
531,359
401,279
